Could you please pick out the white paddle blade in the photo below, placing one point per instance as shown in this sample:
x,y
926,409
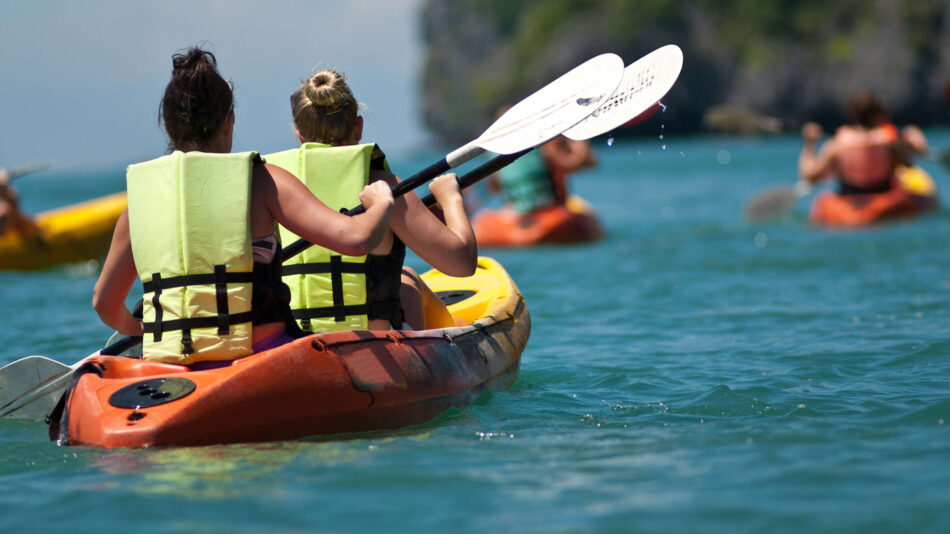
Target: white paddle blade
x,y
25,391
644,83
555,107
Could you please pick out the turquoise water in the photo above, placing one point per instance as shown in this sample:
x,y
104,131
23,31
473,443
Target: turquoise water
x,y
693,372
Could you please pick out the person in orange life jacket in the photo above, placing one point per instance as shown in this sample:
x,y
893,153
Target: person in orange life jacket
x,y
863,154
197,114
538,179
11,218
325,111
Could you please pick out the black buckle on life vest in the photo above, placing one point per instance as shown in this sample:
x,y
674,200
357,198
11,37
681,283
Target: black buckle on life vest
x,y
157,305
221,295
186,347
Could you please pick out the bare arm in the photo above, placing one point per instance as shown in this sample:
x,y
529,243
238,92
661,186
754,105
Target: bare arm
x,y
115,281
814,166
279,195
911,142
449,247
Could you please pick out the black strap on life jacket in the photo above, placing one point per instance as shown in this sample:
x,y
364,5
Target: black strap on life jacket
x,y
383,278
382,288
222,319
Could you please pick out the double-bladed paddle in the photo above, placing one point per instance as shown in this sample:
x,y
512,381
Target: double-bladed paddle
x,y
644,83
538,118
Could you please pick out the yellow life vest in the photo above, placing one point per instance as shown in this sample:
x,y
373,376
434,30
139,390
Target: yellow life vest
x,y
328,290
191,239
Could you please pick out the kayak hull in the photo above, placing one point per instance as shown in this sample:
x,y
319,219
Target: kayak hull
x,y
574,222
71,234
322,384
914,194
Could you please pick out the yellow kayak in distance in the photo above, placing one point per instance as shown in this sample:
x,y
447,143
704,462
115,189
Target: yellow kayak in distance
x,y
71,234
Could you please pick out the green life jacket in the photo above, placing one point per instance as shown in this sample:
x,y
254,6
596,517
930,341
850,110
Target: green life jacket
x,y
329,291
527,184
191,239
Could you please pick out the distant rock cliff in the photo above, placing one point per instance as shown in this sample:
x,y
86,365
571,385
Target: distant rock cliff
x,y
790,60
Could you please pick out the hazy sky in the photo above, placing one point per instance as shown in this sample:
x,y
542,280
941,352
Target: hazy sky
x,y
80,81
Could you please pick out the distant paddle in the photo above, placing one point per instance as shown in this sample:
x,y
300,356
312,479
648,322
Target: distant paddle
x,y
26,169
776,202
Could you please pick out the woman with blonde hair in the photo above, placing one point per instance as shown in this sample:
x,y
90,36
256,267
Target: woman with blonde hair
x,y
374,291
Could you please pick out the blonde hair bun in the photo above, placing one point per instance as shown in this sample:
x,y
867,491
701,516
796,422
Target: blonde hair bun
x,y
326,88
324,108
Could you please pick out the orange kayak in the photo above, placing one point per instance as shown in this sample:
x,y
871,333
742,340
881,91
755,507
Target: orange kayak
x,y
915,194
574,222
331,383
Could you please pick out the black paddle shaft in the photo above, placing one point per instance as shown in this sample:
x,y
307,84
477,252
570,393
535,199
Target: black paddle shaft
x,y
399,189
481,172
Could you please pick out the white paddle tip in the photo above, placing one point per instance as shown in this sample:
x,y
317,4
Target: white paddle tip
x,y
644,83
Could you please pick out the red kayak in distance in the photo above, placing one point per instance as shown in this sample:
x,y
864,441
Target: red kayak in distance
x,y
574,222
916,193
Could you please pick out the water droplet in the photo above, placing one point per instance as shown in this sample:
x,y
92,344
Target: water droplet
x,y
664,147
661,136
610,141
662,106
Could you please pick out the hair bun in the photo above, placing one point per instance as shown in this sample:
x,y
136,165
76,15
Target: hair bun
x,y
194,59
326,88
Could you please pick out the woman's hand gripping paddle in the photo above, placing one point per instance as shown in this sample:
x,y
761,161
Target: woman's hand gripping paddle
x,y
644,83
538,118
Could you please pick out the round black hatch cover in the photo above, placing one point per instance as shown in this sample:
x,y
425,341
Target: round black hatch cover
x,y
152,392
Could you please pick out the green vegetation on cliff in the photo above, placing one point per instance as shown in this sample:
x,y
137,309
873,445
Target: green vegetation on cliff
x,y
791,59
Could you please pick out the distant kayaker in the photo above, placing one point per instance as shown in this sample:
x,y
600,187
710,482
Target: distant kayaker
x,y
376,291
863,155
200,232
11,218
538,179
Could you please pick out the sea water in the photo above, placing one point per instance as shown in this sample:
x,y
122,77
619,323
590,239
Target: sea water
x,y
692,372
